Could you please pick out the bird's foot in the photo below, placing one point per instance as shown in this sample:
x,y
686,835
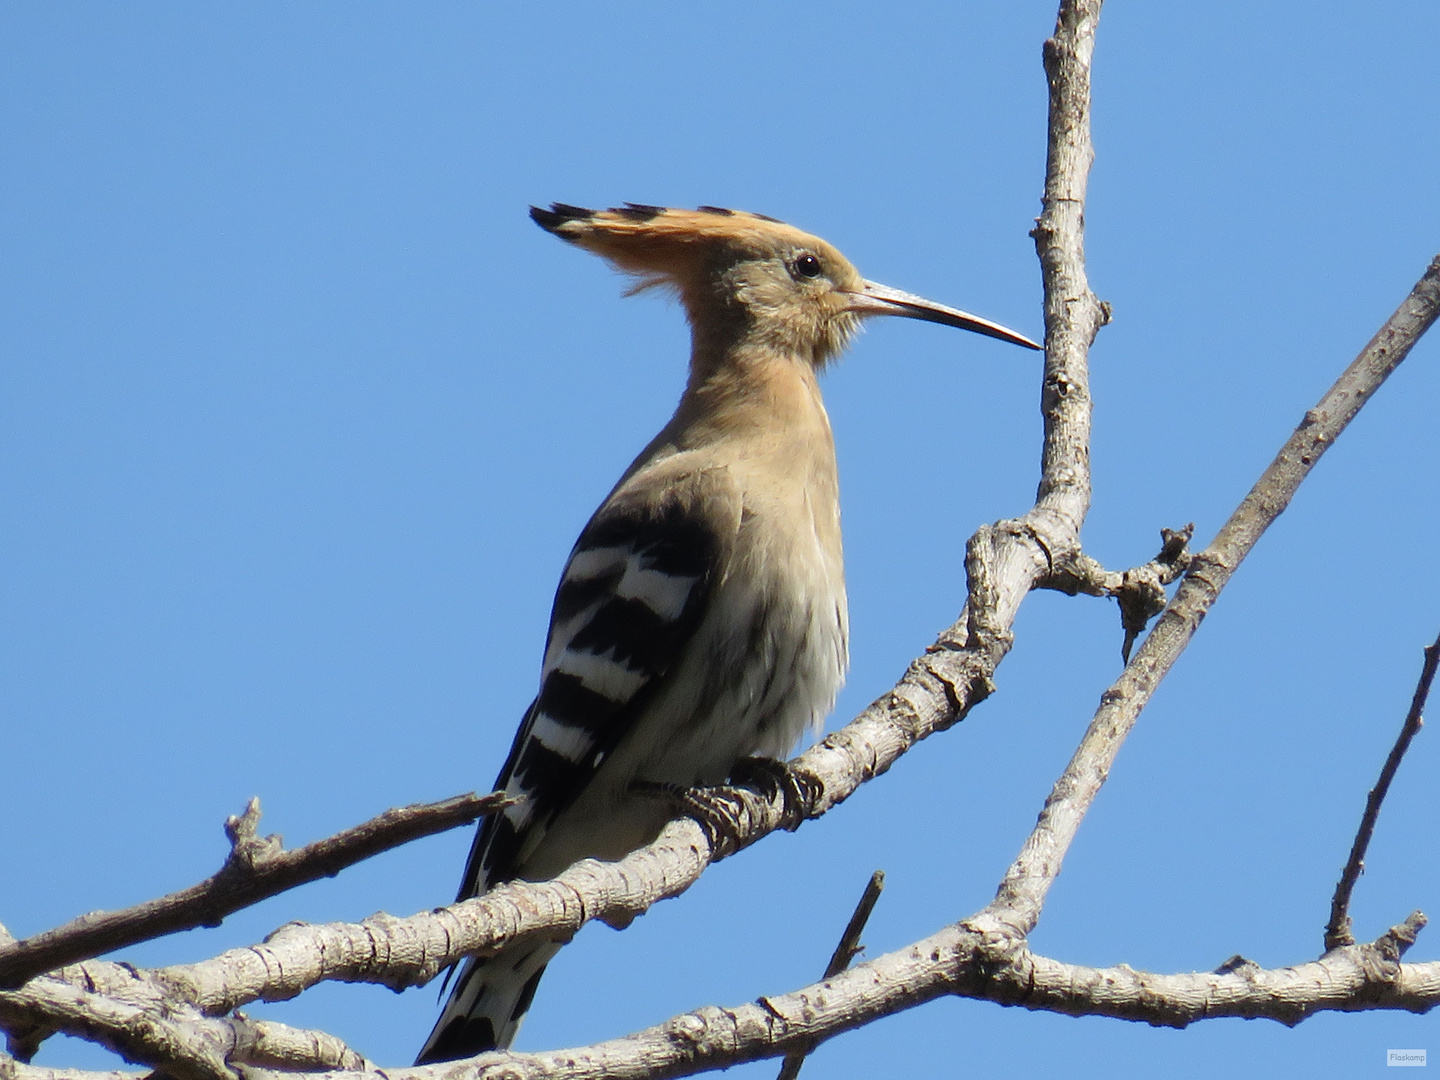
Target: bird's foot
x,y
799,791
718,813
726,814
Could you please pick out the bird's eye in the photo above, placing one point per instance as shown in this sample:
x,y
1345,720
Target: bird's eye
x,y
807,266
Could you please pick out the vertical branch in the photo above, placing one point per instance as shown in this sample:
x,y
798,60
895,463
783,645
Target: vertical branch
x,y
1073,314
1337,932
1015,555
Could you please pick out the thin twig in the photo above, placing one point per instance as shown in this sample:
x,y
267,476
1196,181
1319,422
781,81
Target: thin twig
x,y
849,945
1140,591
1339,931
846,951
255,869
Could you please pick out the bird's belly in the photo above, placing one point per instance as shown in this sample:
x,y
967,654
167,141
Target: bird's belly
x,y
768,664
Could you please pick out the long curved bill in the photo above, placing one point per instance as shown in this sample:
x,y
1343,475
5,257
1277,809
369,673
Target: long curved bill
x,y
877,299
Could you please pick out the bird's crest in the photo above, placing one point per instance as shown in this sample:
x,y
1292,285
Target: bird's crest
x,y
668,246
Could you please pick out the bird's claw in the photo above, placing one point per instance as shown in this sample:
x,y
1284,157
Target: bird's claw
x,y
724,814
716,812
798,790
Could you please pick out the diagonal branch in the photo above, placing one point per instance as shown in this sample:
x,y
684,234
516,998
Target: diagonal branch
x,y
1338,931
957,961
255,869
1353,977
1016,907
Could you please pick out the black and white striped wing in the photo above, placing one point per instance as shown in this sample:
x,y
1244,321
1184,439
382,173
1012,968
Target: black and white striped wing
x,y
630,599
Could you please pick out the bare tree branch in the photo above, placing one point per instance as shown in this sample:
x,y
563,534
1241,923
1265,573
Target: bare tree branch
x,y
984,957
124,1010
1338,930
849,945
840,959
256,869
279,1046
1017,905
958,961
135,1022
955,961
10,1069
1140,590
1073,314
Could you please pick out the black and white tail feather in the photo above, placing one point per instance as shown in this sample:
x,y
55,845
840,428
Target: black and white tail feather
x,y
629,600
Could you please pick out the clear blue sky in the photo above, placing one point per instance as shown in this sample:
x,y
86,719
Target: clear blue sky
x,y
299,416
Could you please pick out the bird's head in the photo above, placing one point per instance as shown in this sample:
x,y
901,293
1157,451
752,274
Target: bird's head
x,y
746,276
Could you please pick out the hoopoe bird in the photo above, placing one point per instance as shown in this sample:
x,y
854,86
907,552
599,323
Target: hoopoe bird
x,y
701,617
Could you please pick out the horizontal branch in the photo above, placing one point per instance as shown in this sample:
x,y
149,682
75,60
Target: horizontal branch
x,y
957,961
1353,979
960,962
256,869
123,1010
1140,591
10,1069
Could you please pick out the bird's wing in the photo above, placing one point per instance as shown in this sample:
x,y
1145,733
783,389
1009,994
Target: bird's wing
x,y
633,592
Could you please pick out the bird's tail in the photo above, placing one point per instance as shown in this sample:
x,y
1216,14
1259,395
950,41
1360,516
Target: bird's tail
x,y
490,998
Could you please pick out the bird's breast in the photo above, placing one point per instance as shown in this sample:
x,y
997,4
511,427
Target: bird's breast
x,y
772,649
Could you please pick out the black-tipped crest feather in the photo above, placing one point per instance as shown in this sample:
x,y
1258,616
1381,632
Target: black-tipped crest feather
x,y
638,211
558,214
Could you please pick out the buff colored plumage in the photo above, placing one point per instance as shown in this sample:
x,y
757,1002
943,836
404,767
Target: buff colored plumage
x,y
701,617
